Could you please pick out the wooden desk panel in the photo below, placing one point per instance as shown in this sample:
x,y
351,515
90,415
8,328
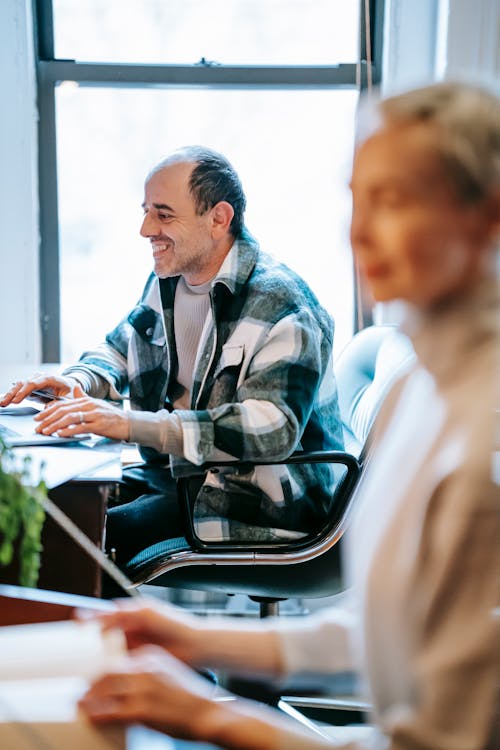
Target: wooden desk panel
x,y
65,567
21,606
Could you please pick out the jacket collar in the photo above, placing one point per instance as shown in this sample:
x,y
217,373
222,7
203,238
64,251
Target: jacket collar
x,y
238,264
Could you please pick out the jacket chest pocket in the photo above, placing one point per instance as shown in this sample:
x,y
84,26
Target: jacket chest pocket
x,y
148,325
226,374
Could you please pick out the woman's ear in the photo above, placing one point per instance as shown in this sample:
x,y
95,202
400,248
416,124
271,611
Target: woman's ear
x,y
495,212
485,220
491,212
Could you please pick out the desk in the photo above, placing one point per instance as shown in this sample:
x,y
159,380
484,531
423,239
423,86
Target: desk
x,y
64,565
21,606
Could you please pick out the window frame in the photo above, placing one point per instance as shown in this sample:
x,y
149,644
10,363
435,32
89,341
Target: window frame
x,y
50,71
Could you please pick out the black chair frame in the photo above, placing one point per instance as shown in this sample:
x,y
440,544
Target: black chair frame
x,y
261,571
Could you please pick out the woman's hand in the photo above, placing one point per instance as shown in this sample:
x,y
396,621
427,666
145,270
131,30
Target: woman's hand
x,y
146,622
83,414
219,642
152,688
155,689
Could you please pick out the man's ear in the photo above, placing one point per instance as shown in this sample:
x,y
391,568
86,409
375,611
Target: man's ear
x,y
222,215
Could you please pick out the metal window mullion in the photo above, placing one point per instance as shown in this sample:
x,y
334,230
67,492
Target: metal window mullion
x,y
43,31
43,17
364,317
377,12
49,226
109,74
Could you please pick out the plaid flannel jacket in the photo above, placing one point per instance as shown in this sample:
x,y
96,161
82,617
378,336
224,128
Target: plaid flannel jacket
x,y
263,387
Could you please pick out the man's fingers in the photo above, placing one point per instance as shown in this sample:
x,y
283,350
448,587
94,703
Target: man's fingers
x,y
12,395
81,415
58,410
67,418
21,389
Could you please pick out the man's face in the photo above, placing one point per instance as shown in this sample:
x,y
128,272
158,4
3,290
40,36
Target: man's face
x,y
181,240
414,239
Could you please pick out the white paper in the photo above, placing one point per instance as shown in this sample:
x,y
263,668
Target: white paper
x,y
45,668
58,649
45,700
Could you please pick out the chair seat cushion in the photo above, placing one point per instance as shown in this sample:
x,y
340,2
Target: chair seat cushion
x,y
167,547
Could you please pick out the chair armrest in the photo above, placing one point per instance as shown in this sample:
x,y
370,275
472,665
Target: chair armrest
x,y
342,494
298,457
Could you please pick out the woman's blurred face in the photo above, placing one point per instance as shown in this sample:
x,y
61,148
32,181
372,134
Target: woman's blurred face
x,y
413,237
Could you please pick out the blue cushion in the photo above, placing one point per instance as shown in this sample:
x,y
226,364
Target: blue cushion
x,y
167,547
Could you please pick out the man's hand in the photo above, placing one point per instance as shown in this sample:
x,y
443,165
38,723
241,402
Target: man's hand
x,y
83,414
56,384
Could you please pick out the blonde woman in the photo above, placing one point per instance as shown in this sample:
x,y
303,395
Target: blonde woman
x,y
423,549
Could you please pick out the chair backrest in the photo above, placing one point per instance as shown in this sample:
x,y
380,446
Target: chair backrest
x,y
365,371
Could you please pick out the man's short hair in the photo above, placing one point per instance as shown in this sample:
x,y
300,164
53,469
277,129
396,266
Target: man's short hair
x,y
212,180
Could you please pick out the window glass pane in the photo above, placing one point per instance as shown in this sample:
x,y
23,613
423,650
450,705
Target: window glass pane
x,y
250,32
292,150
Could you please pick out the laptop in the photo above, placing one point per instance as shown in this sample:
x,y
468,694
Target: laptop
x,y
48,455
17,428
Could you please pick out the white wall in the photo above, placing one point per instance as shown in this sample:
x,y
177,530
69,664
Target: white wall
x,y
410,30
19,302
426,39
472,40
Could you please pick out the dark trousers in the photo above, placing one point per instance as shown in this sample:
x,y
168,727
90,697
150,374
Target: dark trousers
x,y
146,511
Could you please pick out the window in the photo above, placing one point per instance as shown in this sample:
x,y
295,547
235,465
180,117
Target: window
x,y
270,83
231,32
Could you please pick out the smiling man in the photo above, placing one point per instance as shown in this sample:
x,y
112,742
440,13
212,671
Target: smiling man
x,y
227,354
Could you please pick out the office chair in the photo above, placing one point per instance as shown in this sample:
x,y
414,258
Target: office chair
x,y
308,567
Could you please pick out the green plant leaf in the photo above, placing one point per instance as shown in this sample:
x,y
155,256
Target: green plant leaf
x,y
21,516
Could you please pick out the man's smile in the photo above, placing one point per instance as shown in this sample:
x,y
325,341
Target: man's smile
x,y
160,247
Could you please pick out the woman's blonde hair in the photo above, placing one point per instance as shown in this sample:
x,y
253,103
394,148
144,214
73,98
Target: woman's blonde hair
x,y
466,119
